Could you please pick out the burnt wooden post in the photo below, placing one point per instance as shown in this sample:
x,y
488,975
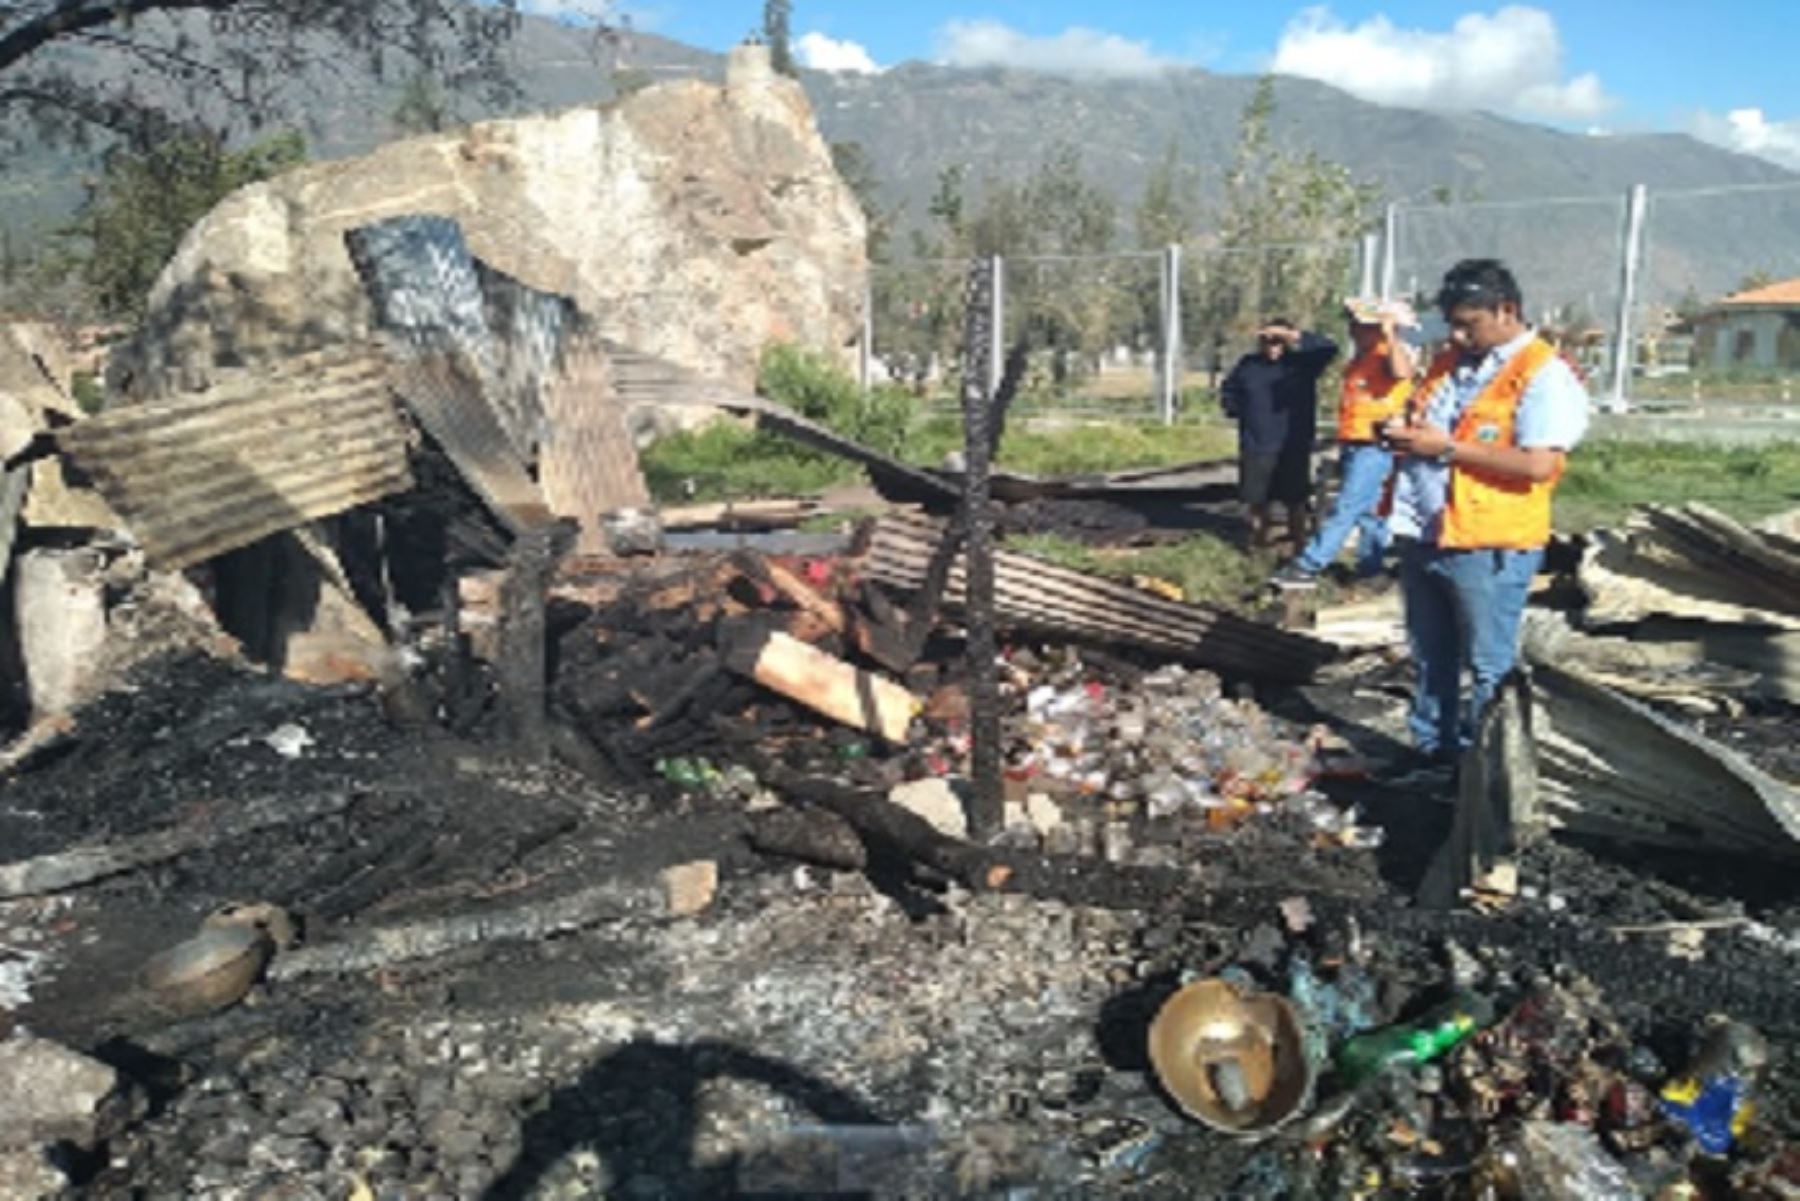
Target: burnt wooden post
x,y
521,667
986,812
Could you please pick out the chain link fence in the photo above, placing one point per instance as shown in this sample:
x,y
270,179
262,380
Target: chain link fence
x,y
1716,321
1679,300
1131,335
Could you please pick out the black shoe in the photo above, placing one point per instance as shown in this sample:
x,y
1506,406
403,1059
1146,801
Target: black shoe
x,y
1421,768
1295,576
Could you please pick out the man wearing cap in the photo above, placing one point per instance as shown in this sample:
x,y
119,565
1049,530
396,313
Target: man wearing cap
x,y
1376,384
1274,395
1483,443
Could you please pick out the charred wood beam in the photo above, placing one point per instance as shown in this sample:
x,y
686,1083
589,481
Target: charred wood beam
x,y
888,831
384,946
815,836
522,666
1011,376
985,807
224,823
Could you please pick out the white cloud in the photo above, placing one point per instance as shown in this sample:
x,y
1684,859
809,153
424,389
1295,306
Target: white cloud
x,y
1506,61
823,53
567,10
590,12
1077,50
1749,130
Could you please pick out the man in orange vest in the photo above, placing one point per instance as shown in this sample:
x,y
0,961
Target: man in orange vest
x,y
1377,382
1482,445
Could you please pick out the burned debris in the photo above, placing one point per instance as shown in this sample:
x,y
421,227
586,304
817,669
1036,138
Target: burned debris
x,y
397,813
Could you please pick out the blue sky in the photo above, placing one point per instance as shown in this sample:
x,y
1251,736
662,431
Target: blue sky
x,y
1724,70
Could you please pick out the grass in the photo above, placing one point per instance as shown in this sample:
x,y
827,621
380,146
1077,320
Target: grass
x,y
728,462
1607,479
1205,567
725,461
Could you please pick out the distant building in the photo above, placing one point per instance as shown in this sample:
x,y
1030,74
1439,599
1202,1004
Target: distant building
x,y
1759,328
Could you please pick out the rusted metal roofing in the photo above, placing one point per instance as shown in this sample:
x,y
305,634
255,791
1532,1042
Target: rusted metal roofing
x,y
198,475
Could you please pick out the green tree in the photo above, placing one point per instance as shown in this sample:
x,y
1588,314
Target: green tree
x,y
1064,221
777,17
1287,231
918,298
1167,215
856,169
137,213
1167,212
1760,278
422,107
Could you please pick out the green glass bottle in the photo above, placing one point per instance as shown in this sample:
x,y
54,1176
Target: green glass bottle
x,y
1417,1042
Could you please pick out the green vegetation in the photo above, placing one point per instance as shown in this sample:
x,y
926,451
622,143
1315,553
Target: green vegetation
x,y
144,203
1205,567
1071,448
423,107
726,460
89,392
1607,478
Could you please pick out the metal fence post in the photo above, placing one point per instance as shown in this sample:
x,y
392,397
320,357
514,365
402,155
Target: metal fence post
x,y
1367,259
1169,378
1390,248
1631,256
996,359
865,350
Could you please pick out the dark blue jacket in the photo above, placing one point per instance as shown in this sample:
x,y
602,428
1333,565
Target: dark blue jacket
x,y
1277,403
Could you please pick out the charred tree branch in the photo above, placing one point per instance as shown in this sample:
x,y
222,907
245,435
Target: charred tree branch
x,y
84,865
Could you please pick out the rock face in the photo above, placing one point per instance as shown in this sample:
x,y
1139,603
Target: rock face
x,y
691,221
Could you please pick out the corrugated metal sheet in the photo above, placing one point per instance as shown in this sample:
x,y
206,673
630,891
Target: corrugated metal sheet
x,y
198,475
478,402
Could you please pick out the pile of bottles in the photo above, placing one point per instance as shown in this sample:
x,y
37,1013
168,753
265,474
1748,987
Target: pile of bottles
x,y
1170,745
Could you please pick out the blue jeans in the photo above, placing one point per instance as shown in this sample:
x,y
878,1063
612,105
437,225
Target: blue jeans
x,y
1463,608
1362,473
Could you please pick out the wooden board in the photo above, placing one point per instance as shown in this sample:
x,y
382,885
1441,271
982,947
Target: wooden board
x,y
588,464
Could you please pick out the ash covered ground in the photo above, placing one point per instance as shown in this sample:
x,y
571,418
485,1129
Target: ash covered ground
x,y
809,1032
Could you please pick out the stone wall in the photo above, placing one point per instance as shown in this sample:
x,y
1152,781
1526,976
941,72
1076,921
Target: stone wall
x,y
693,221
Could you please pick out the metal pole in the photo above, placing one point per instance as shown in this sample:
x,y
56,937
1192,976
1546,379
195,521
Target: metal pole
x,y
1171,339
865,350
1390,243
1636,202
1371,255
996,351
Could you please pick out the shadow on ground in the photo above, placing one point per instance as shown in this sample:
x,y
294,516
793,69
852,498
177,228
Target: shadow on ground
x,y
639,1109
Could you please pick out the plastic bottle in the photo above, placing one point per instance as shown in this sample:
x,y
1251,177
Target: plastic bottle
x,y
1412,1043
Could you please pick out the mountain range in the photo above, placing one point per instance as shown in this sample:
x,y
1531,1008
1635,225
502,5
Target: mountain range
x,y
1550,201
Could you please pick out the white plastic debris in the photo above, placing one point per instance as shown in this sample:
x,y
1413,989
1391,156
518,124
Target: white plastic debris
x,y
290,740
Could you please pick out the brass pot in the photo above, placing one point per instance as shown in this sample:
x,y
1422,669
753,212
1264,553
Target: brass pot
x,y
1234,1061
212,970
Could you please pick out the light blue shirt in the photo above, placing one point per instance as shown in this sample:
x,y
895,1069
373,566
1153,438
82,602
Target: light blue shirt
x,y
1553,413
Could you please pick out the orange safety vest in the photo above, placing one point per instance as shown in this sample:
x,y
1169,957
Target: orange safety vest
x,y
1488,511
1370,396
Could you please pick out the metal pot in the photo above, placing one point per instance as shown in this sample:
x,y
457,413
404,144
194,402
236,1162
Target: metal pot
x,y
1234,1061
212,970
